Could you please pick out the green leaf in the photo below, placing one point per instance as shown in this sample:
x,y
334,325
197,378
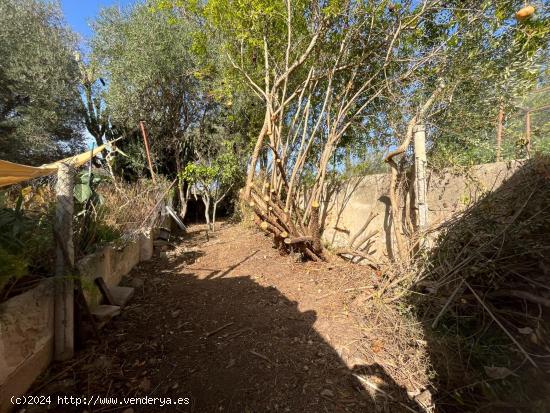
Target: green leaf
x,y
82,192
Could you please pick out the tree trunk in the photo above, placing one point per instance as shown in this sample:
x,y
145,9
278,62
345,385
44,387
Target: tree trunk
x,y
214,208
314,228
206,202
183,192
255,155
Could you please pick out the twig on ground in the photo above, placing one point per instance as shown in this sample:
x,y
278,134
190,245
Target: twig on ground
x,y
219,329
261,356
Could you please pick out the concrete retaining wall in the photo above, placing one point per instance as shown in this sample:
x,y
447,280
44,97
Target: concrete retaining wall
x,y
27,320
448,194
26,340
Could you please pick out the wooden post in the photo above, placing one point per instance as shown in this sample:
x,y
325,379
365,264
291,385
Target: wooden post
x,y
64,263
499,132
420,162
147,151
528,133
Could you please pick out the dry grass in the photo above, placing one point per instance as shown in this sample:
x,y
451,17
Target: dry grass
x,y
396,342
132,206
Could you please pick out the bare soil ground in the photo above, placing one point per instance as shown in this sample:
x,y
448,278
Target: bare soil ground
x,y
235,327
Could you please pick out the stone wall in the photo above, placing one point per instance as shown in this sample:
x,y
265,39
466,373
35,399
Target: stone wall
x,y
448,194
27,320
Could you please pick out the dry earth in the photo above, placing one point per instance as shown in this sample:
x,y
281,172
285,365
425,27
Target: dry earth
x,y
235,327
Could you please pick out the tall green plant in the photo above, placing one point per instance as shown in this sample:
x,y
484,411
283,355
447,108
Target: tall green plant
x,y
40,109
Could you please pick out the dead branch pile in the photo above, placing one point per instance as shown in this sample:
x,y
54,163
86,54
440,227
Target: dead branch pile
x,y
287,224
487,280
498,250
395,342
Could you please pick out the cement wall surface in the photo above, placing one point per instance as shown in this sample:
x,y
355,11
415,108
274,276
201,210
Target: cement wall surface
x,y
26,340
448,194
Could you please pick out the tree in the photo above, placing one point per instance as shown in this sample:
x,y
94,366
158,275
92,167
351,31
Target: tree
x,y
213,178
485,59
40,111
96,116
164,70
318,68
325,71
148,62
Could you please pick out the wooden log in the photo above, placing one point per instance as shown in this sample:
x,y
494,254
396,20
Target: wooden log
x,y
312,255
299,240
274,218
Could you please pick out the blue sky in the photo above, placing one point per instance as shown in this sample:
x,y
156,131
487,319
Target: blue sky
x,y
79,13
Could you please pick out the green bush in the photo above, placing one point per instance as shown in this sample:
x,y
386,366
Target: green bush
x,y
11,266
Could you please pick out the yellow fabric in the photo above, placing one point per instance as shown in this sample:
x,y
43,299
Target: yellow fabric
x,y
13,173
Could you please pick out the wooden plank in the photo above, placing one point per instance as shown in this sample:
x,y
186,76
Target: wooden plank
x,y
105,292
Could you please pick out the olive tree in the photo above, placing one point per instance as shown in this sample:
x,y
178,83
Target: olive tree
x,y
40,110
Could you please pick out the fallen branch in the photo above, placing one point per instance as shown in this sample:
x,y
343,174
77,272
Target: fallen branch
x,y
219,329
298,240
355,253
261,356
371,216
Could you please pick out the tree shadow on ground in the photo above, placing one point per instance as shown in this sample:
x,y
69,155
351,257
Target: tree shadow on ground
x,y
226,343
485,301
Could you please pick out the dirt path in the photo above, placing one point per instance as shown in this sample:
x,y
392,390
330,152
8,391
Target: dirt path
x,y
234,327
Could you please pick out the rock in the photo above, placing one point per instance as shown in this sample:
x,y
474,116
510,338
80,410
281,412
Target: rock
x,y
327,393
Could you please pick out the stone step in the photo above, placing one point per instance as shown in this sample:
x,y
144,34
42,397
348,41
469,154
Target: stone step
x,y
121,295
103,313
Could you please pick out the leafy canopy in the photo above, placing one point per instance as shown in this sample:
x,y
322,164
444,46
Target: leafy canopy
x,y
40,109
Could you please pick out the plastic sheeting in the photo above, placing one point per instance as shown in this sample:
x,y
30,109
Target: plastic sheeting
x,y
13,173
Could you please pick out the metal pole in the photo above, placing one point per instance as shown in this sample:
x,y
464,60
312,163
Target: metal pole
x,y
64,263
146,141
